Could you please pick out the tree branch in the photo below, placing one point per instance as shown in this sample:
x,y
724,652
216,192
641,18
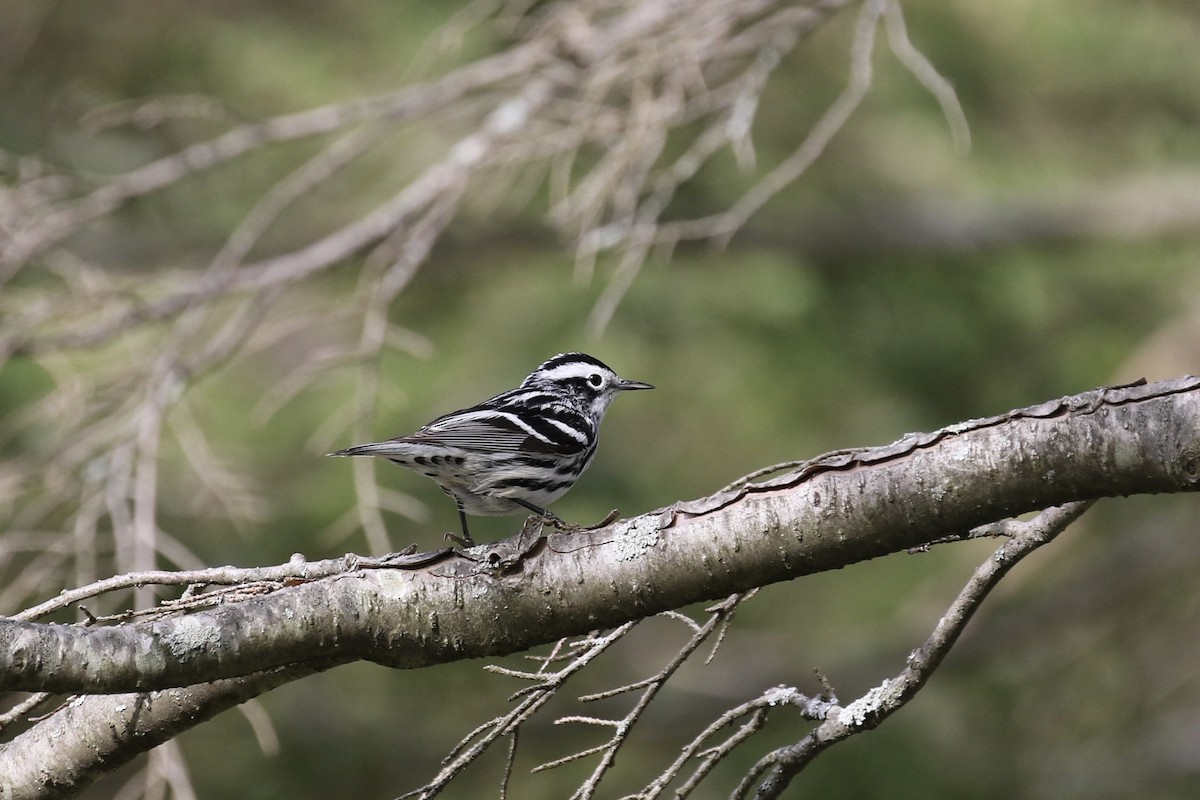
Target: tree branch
x,y
828,514
91,736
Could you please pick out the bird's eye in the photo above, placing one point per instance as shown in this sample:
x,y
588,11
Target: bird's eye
x,y
596,379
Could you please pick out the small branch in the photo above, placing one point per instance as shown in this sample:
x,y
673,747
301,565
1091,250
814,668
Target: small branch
x,y
650,687
23,709
757,710
509,724
780,766
296,569
924,71
721,227
394,107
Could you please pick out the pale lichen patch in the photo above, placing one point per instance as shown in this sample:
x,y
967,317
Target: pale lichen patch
x,y
856,713
635,537
190,635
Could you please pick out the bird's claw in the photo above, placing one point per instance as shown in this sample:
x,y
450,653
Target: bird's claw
x,y
463,542
554,519
533,522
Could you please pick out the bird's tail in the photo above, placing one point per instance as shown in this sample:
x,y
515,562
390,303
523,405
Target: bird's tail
x,y
372,449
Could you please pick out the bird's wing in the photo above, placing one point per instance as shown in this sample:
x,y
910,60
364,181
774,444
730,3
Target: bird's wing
x,y
491,430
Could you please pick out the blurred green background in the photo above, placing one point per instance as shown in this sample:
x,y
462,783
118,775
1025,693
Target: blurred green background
x,y
833,320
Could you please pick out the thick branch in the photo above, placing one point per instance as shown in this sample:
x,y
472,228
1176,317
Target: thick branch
x,y
828,514
92,736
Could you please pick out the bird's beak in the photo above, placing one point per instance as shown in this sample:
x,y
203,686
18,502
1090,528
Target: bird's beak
x,y
623,385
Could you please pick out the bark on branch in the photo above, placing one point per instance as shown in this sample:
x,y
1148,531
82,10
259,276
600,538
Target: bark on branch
x,y
511,596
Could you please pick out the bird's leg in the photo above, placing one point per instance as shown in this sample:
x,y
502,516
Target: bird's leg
x,y
465,540
532,524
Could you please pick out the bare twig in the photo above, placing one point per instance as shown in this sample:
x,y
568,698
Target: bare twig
x,y
296,569
756,712
721,227
23,709
532,699
933,81
780,766
649,687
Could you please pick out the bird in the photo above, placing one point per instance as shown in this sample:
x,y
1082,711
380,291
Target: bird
x,y
516,452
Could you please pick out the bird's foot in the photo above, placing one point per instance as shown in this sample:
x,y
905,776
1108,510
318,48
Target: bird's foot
x,y
542,517
533,524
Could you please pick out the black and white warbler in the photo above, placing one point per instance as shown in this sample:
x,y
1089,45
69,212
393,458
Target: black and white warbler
x,y
519,451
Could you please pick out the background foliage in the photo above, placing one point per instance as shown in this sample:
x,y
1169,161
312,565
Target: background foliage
x,y
901,285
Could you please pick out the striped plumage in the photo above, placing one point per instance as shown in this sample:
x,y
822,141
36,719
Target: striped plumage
x,y
518,451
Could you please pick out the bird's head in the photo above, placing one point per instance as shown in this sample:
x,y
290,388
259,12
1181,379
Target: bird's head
x,y
587,379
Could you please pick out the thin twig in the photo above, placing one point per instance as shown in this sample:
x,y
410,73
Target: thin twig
x,y
780,766
471,747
